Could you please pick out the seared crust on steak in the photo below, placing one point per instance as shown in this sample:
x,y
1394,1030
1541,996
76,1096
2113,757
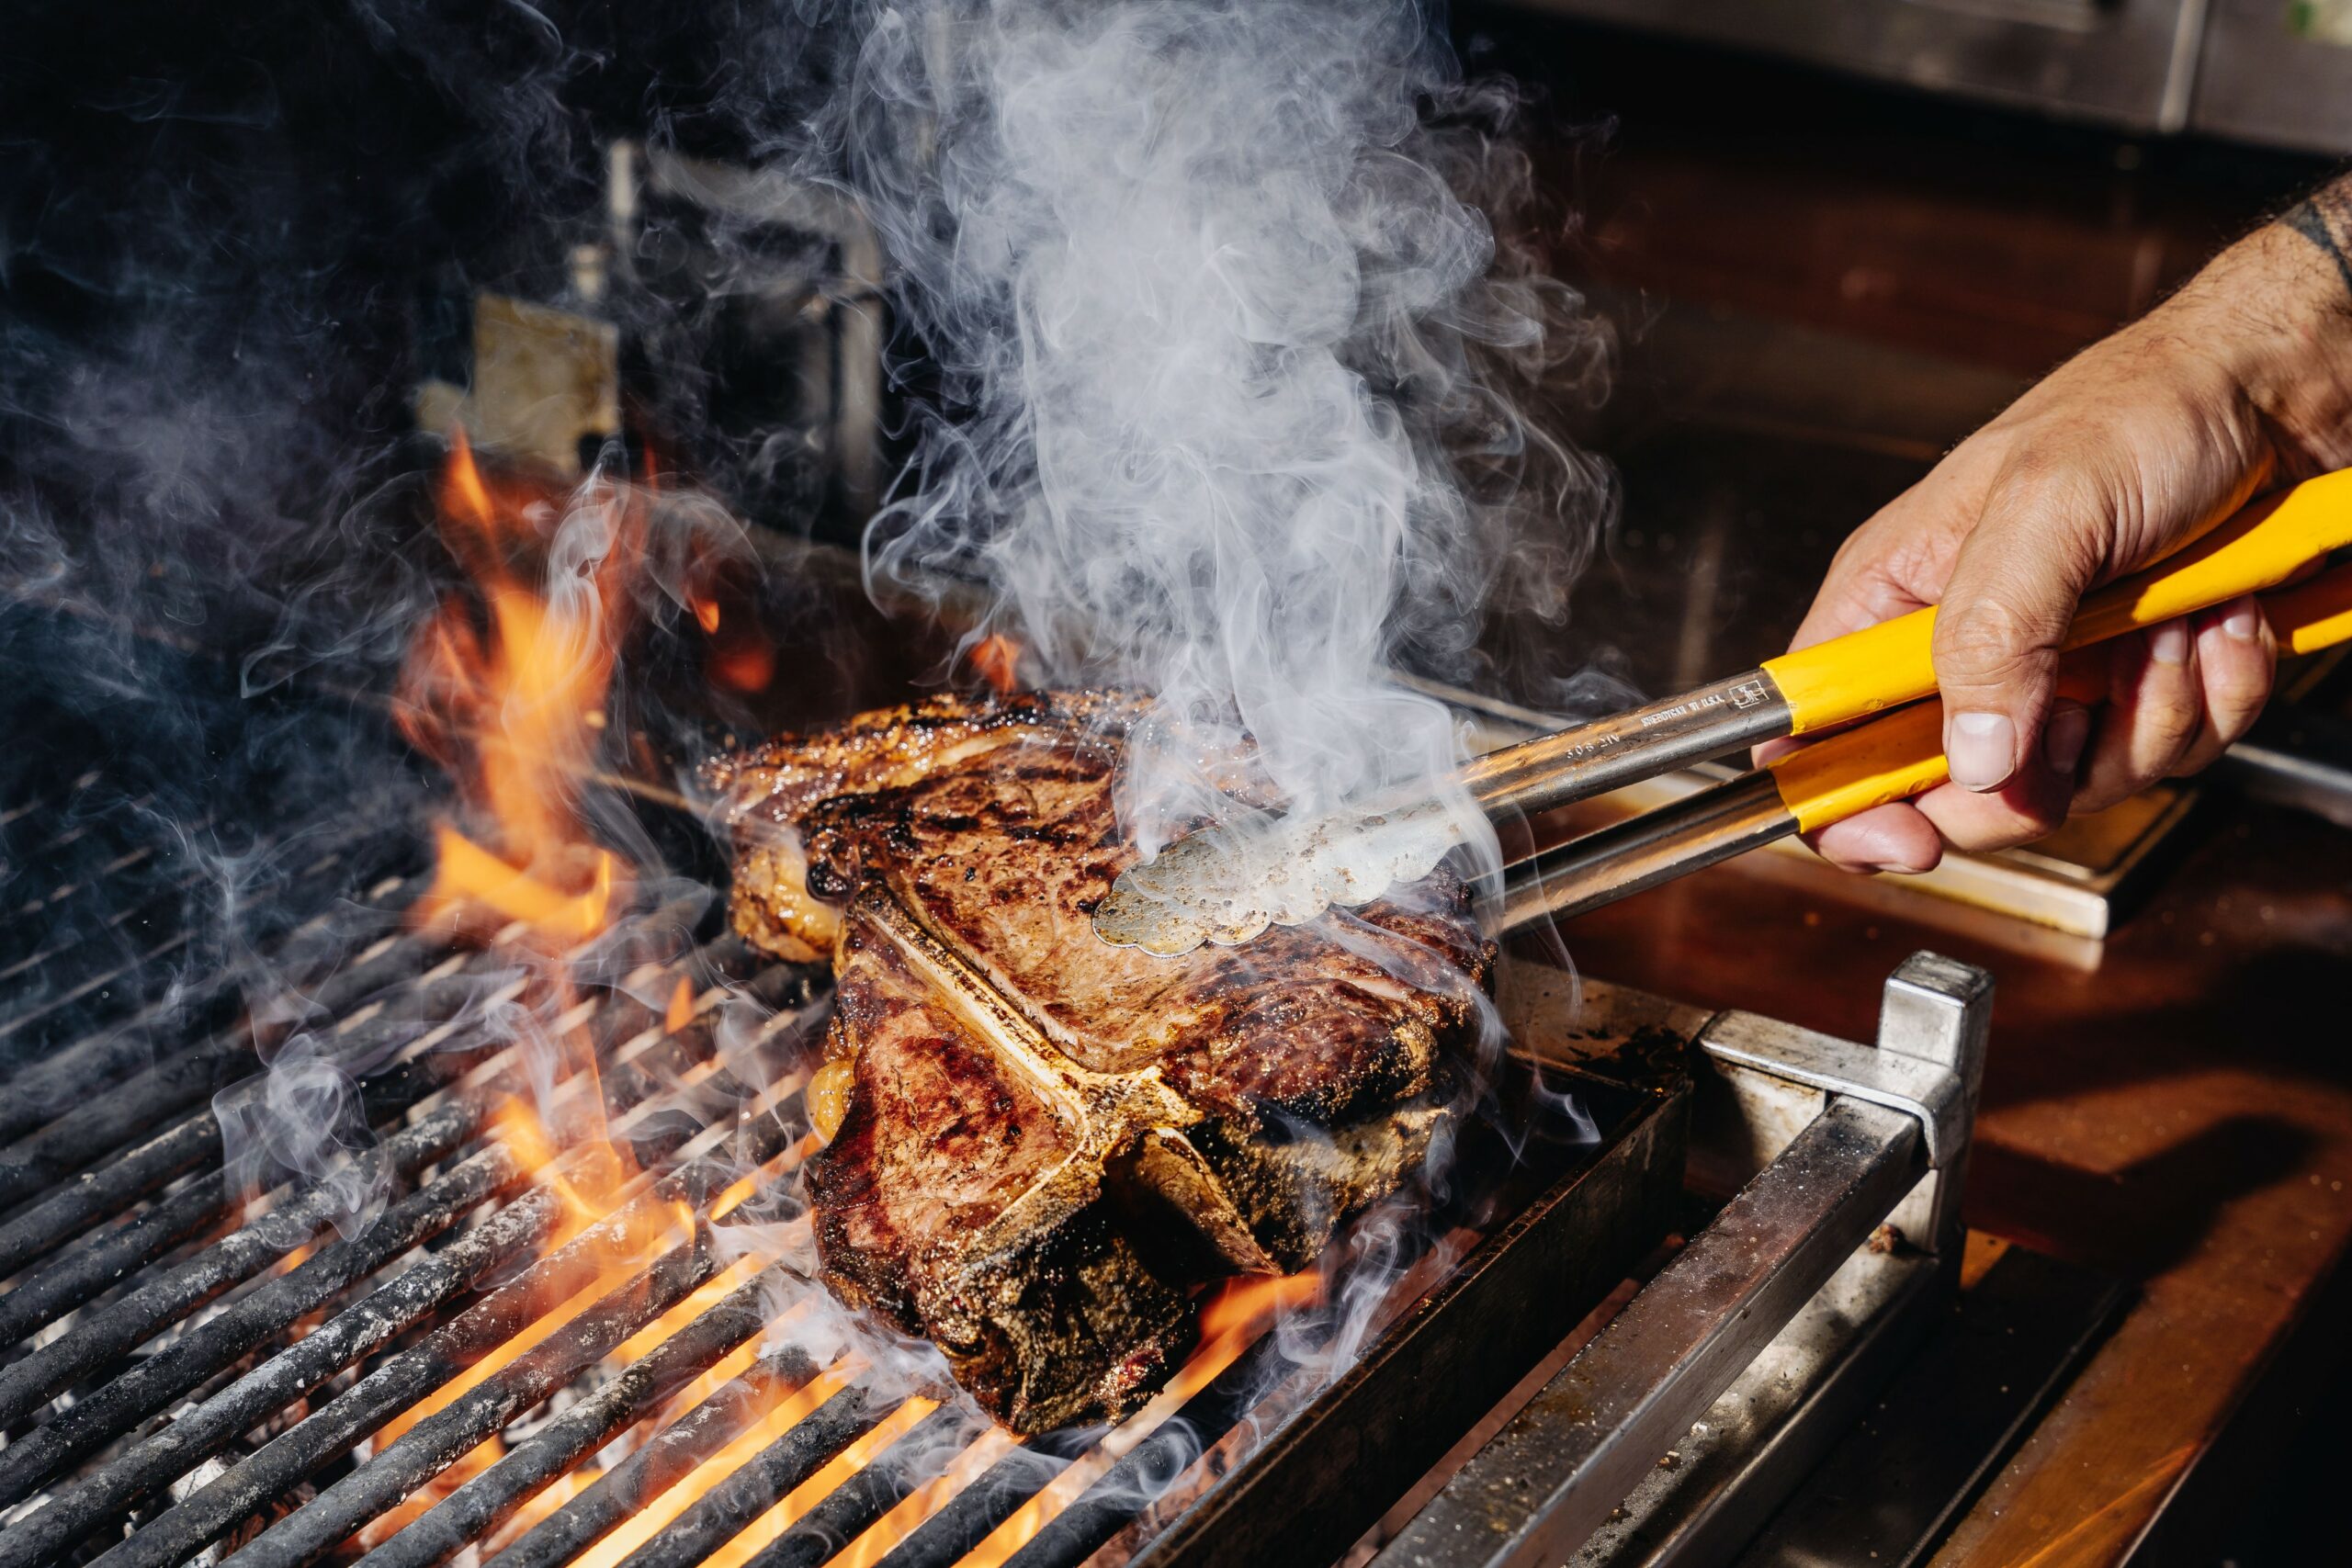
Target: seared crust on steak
x,y
1050,1139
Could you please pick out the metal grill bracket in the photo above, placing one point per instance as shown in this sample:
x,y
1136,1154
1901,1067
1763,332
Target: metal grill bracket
x,y
1929,1055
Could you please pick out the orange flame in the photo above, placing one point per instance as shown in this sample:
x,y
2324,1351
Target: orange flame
x,y
681,1011
590,1179
780,1418
1242,1310
510,698
997,658
914,1510
756,1536
1245,1307
747,665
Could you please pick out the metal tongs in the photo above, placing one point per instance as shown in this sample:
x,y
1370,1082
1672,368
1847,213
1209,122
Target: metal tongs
x,y
1890,758
1226,883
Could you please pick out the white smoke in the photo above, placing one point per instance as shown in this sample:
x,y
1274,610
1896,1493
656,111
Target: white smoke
x,y
1220,342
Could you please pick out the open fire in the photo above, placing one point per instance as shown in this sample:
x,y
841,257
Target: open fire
x,y
508,696
582,1325
513,1259
616,1354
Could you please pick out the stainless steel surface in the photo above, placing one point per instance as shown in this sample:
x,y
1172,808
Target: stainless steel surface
x,y
1934,1023
1903,1469
1764,1436
1642,851
2295,756
2129,62
2277,74
1573,1460
1929,1091
842,379
1586,760
1938,1011
1559,1468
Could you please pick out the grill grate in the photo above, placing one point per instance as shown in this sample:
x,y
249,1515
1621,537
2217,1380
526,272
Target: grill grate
x,y
192,1374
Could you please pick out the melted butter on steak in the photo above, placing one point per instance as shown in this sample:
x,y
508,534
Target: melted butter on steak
x,y
1049,1140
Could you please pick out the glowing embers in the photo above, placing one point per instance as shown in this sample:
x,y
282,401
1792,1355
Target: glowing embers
x,y
956,1488
506,688
602,1204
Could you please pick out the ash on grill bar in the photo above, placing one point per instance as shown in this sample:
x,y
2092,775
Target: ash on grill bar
x,y
581,983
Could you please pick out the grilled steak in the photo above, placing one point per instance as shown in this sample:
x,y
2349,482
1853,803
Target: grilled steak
x,y
1048,1141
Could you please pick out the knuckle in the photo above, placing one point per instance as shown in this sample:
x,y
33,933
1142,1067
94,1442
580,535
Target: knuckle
x,y
1984,638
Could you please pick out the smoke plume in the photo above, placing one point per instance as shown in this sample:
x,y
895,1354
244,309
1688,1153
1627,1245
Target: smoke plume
x,y
1234,375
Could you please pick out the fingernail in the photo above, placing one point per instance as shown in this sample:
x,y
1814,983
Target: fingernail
x,y
2062,741
2241,625
1983,750
2168,644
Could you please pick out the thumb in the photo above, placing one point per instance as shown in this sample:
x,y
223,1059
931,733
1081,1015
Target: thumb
x,y
2002,616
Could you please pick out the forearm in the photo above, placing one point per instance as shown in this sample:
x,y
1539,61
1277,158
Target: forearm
x,y
2278,305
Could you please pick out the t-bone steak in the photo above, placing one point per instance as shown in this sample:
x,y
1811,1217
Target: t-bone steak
x,y
1050,1142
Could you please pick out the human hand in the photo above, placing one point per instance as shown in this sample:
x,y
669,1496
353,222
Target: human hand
x,y
2241,380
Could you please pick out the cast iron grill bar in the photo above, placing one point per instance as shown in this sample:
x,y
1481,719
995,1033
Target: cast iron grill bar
x,y
73,1207
75,1139
448,1434
126,860
136,1476
27,1384
661,1463
89,1269
41,802
98,1264
363,847
37,1225
44,803
104,1259
974,1513
307,964
726,1509
853,1507
436,1000
330,1431
66,884
15,960
84,1271
1149,1468
143,1473
43,857
314,885
111,1410
490,1499
51,1008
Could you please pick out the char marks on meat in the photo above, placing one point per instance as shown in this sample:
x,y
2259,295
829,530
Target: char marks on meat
x,y
1050,1141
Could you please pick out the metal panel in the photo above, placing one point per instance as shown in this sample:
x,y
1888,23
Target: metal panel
x,y
1557,1471
2127,63
2277,72
1747,1311
1329,1474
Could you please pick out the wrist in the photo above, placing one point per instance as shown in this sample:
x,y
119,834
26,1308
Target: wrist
x,y
2277,308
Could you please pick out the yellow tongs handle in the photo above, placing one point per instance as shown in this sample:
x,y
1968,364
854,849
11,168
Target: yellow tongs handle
x,y
2257,548
1900,755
